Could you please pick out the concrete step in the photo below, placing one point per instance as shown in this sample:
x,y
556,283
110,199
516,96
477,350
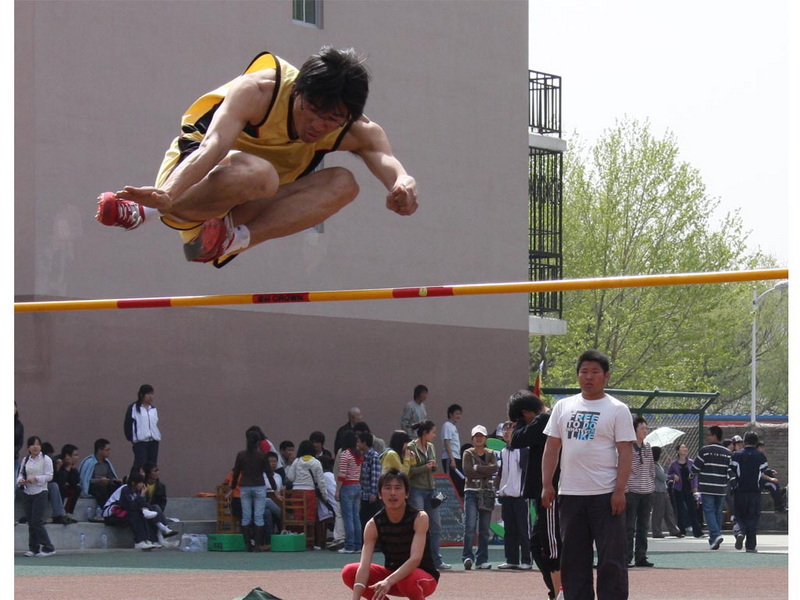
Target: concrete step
x,y
774,522
189,509
68,537
196,515
192,509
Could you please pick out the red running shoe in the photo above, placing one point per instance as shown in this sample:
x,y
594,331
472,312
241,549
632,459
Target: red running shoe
x,y
212,242
114,212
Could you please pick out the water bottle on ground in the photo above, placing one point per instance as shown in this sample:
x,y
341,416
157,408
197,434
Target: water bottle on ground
x,y
99,513
104,542
82,543
89,512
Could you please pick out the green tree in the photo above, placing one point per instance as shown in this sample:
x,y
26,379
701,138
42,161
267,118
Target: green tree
x,y
772,356
632,207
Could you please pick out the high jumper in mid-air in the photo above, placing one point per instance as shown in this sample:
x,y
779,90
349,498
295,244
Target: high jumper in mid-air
x,y
242,170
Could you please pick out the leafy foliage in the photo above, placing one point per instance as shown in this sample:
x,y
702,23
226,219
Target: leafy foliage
x,y
632,207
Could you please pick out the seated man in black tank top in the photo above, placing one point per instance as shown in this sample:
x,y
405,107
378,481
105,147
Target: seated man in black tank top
x,y
402,531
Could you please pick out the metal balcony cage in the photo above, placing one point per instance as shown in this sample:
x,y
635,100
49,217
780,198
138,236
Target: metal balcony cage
x,y
544,103
545,261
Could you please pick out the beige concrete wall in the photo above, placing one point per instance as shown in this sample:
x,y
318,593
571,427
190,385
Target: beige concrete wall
x,y
217,372
100,87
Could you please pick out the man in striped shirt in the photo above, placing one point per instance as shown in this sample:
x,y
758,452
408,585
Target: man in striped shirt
x,y
711,468
641,485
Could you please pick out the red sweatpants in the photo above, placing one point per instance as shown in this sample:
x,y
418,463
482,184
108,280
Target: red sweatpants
x,y
417,586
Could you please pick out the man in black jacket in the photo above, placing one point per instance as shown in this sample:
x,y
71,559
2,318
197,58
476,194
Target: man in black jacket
x,y
353,417
530,415
748,467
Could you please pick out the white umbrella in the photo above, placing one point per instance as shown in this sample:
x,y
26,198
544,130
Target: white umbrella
x,y
663,436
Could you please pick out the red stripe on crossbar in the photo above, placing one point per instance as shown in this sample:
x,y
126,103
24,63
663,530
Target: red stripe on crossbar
x,y
145,303
422,292
280,298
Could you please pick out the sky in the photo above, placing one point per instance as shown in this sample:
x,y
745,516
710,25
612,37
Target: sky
x,y
715,73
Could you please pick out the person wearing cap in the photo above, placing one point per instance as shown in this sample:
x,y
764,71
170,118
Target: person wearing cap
x,y
480,466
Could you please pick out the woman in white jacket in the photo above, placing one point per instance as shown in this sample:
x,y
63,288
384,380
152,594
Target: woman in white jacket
x,y
141,428
35,471
305,470
306,474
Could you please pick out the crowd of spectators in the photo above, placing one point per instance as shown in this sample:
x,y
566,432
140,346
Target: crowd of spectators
x,y
137,500
341,485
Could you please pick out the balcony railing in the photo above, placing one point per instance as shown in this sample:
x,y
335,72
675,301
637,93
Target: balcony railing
x,y
545,238
545,177
544,103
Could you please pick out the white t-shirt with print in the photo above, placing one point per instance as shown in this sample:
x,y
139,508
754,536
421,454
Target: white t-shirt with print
x,y
589,431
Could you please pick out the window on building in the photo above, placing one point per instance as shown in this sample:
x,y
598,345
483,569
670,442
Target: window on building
x,y
308,12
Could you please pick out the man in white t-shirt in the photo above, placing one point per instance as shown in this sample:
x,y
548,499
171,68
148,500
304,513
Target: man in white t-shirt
x,y
451,448
594,434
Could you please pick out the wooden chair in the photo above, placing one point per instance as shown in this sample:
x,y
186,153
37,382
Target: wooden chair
x,y
226,521
300,513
